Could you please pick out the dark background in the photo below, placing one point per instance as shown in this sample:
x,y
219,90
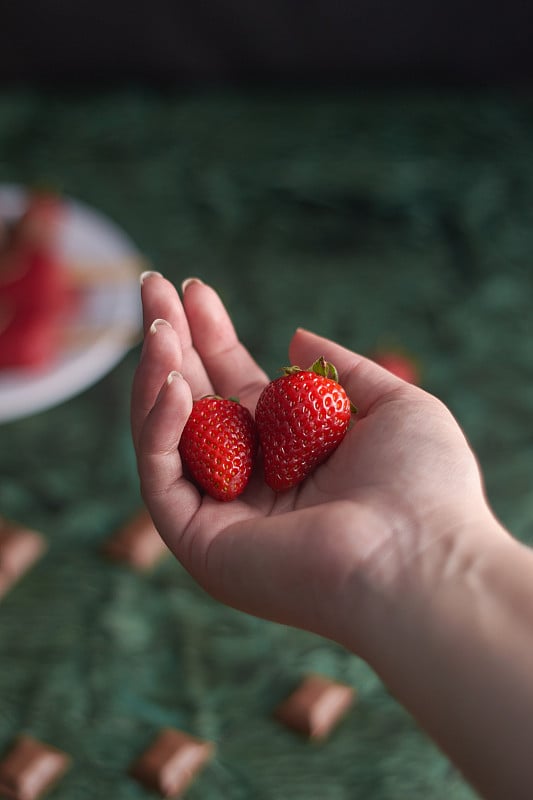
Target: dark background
x,y
336,42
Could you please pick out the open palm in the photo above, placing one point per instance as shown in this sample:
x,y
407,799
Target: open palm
x,y
359,519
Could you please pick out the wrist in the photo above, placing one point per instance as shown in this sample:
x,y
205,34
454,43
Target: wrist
x,y
405,585
455,650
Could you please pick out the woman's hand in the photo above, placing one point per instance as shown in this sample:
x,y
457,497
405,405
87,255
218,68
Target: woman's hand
x,y
389,547
399,488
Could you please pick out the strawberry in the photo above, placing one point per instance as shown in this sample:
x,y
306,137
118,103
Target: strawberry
x,y
301,418
400,364
218,446
35,300
39,224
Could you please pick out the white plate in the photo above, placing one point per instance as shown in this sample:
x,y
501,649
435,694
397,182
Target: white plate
x,y
108,319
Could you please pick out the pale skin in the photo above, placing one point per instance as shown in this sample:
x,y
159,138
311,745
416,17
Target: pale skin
x,y
389,548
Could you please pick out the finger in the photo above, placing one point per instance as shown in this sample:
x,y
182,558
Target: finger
x,y
161,353
231,369
365,382
171,499
161,300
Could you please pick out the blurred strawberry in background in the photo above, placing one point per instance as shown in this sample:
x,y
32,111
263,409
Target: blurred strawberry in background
x,y
400,363
36,295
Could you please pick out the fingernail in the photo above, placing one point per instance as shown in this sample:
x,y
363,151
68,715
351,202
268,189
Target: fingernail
x,y
188,281
172,375
157,323
149,273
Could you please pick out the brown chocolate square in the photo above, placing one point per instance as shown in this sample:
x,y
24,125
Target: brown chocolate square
x,y
30,768
316,706
19,550
137,543
171,762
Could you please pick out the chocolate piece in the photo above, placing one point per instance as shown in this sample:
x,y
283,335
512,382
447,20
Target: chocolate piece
x,y
315,707
19,549
30,768
170,764
137,543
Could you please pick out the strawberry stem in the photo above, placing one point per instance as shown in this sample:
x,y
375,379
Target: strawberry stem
x,y
325,368
291,370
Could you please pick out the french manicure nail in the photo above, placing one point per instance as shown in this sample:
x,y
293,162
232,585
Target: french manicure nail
x,y
149,273
157,323
172,375
188,281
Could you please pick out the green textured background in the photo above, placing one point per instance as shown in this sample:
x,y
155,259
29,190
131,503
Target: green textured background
x,y
402,218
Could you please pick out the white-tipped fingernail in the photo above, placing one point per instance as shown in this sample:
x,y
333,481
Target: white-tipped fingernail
x,y
173,375
188,282
157,323
148,273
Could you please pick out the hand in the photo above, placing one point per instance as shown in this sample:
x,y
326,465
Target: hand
x,y
402,482
389,547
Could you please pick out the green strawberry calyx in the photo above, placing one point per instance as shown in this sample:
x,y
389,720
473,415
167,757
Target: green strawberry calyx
x,y
219,397
323,368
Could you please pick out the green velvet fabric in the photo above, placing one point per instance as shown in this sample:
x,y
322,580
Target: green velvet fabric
x,y
399,218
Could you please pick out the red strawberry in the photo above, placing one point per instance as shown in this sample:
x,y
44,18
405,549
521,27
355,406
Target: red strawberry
x,y
218,446
301,418
400,364
39,224
35,299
